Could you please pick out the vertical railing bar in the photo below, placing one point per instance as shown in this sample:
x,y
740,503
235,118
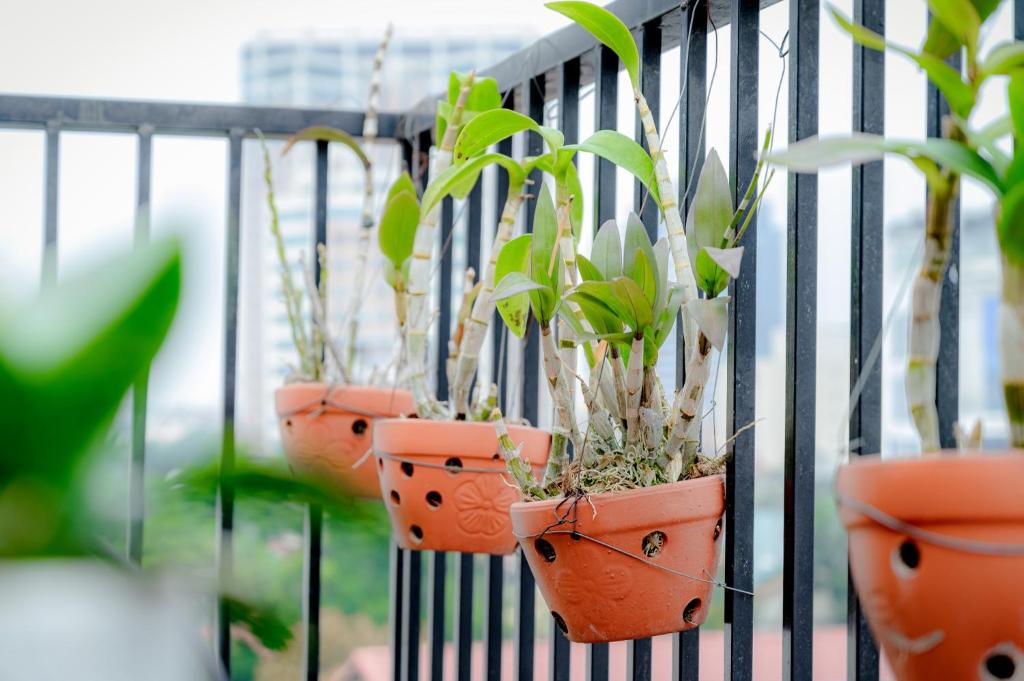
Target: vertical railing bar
x,y
226,494
533,101
1018,19
411,615
638,659
606,81
495,576
313,525
801,346
693,83
436,613
51,204
494,604
638,666
444,275
606,86
650,84
947,366
742,351
396,616
866,276
464,616
569,123
140,390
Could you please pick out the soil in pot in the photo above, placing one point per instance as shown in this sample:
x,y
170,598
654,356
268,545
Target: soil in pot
x,y
937,556
445,485
626,565
326,433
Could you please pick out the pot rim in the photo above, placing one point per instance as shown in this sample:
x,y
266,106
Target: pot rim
x,y
962,487
435,439
389,400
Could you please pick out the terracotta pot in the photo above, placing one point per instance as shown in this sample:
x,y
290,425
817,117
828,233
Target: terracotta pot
x,y
940,611
597,593
445,485
330,442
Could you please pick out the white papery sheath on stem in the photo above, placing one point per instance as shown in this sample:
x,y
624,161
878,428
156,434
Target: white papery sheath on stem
x,y
483,306
363,247
685,436
634,389
418,308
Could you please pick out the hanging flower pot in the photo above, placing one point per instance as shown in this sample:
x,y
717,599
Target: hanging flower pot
x,y
626,565
445,483
326,432
937,556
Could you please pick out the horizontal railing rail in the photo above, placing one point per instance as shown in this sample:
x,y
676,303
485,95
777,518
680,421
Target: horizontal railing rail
x,y
554,70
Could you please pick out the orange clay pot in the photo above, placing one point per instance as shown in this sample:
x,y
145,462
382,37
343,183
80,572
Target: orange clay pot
x,y
448,509
328,443
597,593
940,612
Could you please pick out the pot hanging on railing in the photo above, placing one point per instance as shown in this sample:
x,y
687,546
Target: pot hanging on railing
x,y
327,431
937,556
445,483
624,565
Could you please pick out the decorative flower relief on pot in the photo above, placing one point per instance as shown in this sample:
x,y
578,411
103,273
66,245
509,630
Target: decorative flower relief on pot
x,y
483,505
626,565
444,483
326,432
937,555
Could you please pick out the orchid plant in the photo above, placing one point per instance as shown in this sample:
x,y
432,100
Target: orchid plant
x,y
979,152
619,304
322,357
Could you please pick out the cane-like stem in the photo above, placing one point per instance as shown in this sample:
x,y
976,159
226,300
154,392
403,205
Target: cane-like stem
x,y
417,303
634,389
670,209
685,436
1011,337
483,307
518,466
924,322
366,228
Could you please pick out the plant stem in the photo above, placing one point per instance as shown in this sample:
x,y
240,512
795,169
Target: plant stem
x,y
670,209
924,317
483,307
1011,337
566,246
518,466
418,308
634,389
685,436
363,247
555,374
292,297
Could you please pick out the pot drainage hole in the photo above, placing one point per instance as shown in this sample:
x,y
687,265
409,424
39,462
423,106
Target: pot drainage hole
x,y
691,611
359,426
545,549
560,622
407,469
653,542
434,499
453,464
416,534
395,498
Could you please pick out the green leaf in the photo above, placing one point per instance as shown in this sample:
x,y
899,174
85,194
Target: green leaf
x,y
459,179
941,43
262,620
514,284
403,183
711,211
608,29
327,134
545,241
67,359
729,259
571,177
946,78
623,152
483,94
606,252
637,245
661,255
1015,97
1011,225
712,317
397,230
1003,59
632,296
666,317
514,258
602,318
490,127
816,152
395,276
605,294
588,271
959,18
711,278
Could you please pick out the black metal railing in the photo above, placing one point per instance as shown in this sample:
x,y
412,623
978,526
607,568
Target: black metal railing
x,y
557,68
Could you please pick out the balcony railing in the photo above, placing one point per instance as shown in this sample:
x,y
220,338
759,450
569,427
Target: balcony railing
x,y
555,70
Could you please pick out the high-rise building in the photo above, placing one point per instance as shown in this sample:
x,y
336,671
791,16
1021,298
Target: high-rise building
x,y
318,71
